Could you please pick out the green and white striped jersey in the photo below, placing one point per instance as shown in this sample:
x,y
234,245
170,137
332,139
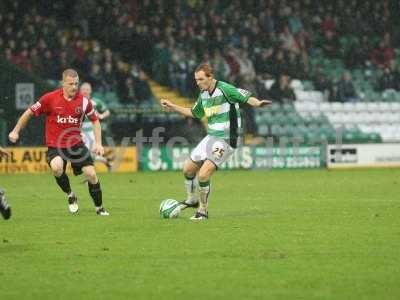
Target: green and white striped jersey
x,y
221,108
100,107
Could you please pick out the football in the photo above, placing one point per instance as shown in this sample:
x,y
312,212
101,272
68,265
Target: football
x,y
169,209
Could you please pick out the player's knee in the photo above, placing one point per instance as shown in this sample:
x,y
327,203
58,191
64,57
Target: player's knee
x,y
92,178
57,166
90,174
57,171
206,171
189,173
189,170
204,175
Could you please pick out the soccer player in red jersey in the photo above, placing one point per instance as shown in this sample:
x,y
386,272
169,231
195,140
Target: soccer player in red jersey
x,y
65,109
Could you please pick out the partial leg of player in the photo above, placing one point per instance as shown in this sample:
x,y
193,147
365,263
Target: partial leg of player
x,y
95,190
57,167
190,170
206,170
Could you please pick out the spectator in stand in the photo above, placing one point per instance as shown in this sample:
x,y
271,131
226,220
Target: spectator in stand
x,y
22,60
95,77
382,55
108,56
233,62
281,64
128,95
390,79
267,22
178,72
295,65
295,22
287,39
9,55
80,54
142,89
246,67
281,91
51,70
63,61
349,21
36,62
264,63
108,82
330,45
358,53
121,74
328,24
345,89
322,84
220,66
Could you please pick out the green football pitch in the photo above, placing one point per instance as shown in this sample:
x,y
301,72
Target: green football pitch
x,y
306,234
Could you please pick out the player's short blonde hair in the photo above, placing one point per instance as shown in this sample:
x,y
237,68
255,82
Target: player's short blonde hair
x,y
69,73
206,68
86,84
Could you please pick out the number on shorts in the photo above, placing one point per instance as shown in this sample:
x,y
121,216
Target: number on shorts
x,y
218,152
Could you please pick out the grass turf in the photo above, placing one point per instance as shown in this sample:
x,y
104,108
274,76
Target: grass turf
x,y
307,234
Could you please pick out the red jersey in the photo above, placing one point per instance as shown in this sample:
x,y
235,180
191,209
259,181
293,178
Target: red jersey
x,y
63,118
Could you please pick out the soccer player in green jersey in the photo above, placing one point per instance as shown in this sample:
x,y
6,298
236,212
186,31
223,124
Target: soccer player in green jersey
x,y
219,102
87,130
5,208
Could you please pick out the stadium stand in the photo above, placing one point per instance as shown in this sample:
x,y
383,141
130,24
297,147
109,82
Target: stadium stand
x,y
343,62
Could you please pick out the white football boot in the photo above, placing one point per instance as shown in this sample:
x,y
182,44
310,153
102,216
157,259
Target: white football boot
x,y
73,203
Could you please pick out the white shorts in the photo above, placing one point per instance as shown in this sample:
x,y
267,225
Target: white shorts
x,y
215,149
88,139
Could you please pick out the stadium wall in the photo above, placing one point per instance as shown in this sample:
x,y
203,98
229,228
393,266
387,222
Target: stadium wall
x,y
246,157
33,160
363,156
128,159
19,89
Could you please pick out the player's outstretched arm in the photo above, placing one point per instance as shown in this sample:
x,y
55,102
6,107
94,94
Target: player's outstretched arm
x,y
21,123
187,112
258,103
104,115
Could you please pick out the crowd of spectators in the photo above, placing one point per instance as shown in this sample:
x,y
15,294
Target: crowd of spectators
x,y
38,39
247,42
250,41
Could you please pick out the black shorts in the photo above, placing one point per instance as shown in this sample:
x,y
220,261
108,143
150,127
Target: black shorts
x,y
79,156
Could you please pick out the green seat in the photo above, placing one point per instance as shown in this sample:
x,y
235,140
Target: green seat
x,y
280,119
277,130
353,136
292,118
289,130
311,138
288,108
389,96
308,85
313,127
374,137
259,119
267,117
275,108
110,97
98,95
263,130
397,97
